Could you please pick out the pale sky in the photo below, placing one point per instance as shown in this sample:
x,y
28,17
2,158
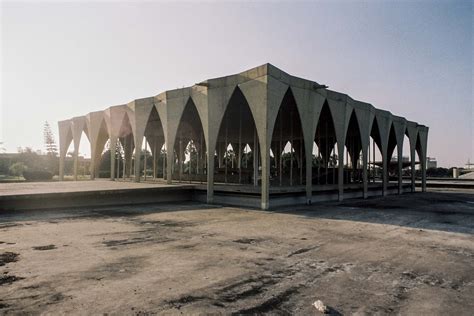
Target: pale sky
x,y
64,59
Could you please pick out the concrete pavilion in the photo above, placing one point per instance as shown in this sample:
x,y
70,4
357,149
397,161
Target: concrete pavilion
x,y
286,133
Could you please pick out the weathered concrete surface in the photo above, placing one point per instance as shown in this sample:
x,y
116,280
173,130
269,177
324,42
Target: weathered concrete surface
x,y
49,195
411,255
72,186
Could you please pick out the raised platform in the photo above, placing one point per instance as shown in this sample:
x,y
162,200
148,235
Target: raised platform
x,y
45,195
68,194
249,196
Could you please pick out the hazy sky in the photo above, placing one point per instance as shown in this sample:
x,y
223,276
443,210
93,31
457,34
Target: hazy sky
x,y
63,59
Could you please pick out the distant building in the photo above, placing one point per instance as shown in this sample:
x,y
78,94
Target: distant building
x,y
469,165
431,163
404,159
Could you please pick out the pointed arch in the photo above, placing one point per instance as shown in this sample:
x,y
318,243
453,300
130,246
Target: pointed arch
x,y
353,148
126,146
392,164
326,140
237,127
81,133
155,137
97,150
419,149
374,164
189,128
288,128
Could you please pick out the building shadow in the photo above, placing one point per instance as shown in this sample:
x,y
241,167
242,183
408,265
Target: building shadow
x,y
443,211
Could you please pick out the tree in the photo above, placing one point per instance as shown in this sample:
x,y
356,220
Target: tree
x,y
49,141
52,162
17,169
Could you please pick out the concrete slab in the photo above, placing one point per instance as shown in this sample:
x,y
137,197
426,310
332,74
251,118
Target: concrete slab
x,y
408,255
73,186
46,195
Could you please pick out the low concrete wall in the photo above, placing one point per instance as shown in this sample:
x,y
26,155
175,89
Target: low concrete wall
x,y
278,199
95,198
39,201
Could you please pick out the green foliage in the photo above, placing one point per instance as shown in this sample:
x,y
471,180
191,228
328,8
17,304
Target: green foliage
x,y
49,141
17,169
37,175
438,172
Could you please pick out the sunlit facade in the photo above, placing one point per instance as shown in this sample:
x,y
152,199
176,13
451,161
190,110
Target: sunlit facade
x,y
261,130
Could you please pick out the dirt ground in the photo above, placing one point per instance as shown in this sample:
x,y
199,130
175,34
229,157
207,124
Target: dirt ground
x,y
408,255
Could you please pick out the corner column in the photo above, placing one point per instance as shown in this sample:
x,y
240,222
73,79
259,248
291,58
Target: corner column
x,y
423,173
265,154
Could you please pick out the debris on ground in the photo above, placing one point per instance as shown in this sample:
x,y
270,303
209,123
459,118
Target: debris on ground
x,y
319,305
47,247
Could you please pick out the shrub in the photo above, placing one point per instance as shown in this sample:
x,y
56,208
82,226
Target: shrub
x,y
17,168
37,175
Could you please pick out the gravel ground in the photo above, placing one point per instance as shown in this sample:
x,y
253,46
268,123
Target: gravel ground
x,y
409,255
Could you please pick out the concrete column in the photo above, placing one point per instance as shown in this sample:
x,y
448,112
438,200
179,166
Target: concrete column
x,y
412,163
309,175
424,152
138,152
423,172
61,166
128,150
265,154
169,164
365,179
210,176
113,148
93,164
180,158
340,175
97,146
400,167
384,171
76,162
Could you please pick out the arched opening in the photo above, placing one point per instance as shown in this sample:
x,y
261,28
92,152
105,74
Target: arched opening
x,y
375,164
325,172
353,152
237,143
84,155
69,154
392,156
418,158
288,142
101,171
406,159
189,130
124,159
317,161
153,155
